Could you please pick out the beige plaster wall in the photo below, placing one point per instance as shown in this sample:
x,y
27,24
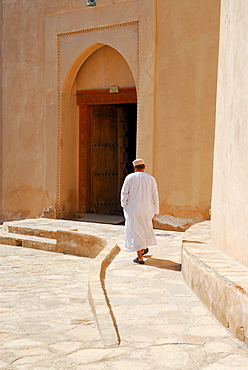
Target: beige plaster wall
x,y
1,120
23,110
23,105
103,68
168,47
125,27
186,75
28,173
230,190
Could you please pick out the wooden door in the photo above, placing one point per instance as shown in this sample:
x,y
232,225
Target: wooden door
x,y
86,99
122,157
104,197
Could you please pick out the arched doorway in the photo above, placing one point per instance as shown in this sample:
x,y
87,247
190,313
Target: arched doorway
x,y
107,146
104,67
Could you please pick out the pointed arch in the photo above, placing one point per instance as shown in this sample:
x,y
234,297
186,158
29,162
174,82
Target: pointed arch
x,y
70,177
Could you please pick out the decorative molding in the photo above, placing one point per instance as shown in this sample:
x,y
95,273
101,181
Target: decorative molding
x,y
58,164
94,29
59,211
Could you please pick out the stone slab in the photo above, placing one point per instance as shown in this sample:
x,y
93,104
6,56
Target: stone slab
x,y
98,296
44,228
68,240
28,241
161,322
42,233
10,239
82,245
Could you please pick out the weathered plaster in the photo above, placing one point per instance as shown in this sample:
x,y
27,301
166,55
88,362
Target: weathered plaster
x,y
22,109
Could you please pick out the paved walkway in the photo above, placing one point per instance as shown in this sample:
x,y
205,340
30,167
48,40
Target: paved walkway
x,y
46,322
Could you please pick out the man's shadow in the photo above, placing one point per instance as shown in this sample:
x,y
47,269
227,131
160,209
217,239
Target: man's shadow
x,y
162,264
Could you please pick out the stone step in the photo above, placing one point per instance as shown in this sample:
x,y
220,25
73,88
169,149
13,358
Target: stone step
x,y
38,232
28,241
217,279
43,231
68,241
98,218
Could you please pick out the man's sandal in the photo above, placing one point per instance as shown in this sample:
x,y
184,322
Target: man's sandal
x,y
139,262
145,251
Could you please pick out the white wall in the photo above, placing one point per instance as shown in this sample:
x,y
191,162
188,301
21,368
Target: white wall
x,y
230,184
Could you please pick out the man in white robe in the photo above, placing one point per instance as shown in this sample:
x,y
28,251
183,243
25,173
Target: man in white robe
x,y
139,199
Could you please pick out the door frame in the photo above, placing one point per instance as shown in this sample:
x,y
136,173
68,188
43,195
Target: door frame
x,y
85,99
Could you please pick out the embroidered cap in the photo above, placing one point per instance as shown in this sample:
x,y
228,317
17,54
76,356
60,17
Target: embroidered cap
x,y
138,161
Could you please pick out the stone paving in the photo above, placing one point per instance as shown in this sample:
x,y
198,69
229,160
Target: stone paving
x,y
46,321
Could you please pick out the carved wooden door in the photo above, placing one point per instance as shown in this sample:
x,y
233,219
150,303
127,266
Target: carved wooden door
x,y
90,191
104,197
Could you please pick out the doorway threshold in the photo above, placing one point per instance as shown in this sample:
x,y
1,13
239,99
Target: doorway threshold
x,y
100,218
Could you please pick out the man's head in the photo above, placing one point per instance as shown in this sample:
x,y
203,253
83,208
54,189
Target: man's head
x,y
139,164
